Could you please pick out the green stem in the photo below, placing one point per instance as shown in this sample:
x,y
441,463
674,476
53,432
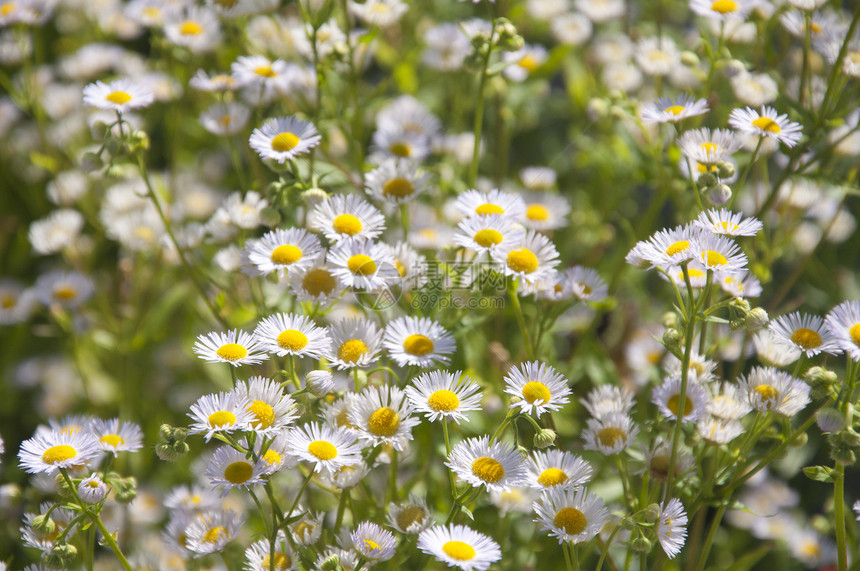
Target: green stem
x,y
448,453
479,112
567,562
513,284
839,515
605,551
709,541
299,495
341,508
739,185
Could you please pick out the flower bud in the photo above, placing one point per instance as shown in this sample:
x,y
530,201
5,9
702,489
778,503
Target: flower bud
x,y
651,514
43,525
165,432
672,340
331,563
91,162
756,320
641,545
313,196
725,169
830,420
165,452
800,440
671,321
545,438
61,555
597,109
733,68
126,490
706,180
843,455
319,383
719,194
270,217
689,59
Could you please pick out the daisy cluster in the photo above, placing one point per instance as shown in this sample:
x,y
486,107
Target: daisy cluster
x,y
398,232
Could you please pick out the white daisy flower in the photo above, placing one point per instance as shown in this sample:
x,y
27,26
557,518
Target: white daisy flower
x,y
445,47
401,143
485,233
212,531
532,259
114,436
284,138
121,95
667,397
347,558
516,500
723,10
55,232
696,272
63,289
605,399
285,334
671,530
235,347
571,514
718,430
719,253
342,216
497,466
380,13
316,283
806,333
442,395
383,415
284,250
411,266
766,123
337,414
221,82
524,61
271,409
740,284
418,341
44,542
347,476
355,342
308,529
772,352
198,30
659,456
670,247
229,468
657,56
221,412
728,223
770,389
556,468
225,119
276,457
373,542
539,387
601,10
708,147
16,302
259,555
494,202
396,181
409,517
191,499
667,110
545,211
585,283
47,452
610,434
843,323
363,264
92,490
727,402
328,449
459,546
572,28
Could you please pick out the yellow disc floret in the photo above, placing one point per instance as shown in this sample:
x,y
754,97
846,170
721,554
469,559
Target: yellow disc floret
x,y
57,454
571,520
488,469
383,422
443,401
418,345
459,550
351,351
283,142
522,260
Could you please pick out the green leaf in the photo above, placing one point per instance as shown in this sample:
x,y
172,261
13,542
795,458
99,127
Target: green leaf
x,y
468,513
819,473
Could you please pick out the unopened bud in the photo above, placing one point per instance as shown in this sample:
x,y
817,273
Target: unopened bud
x,y
651,514
319,383
126,490
706,180
165,432
830,420
734,68
756,320
820,376
719,195
843,455
62,556
313,196
800,440
270,216
597,109
689,59
641,545
91,162
725,169
166,452
671,321
545,438
331,563
672,340
43,525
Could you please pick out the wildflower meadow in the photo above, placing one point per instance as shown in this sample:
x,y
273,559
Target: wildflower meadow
x,y
425,284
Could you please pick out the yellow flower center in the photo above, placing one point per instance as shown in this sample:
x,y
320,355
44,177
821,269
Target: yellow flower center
x,y
292,340
537,212
854,332
529,63
677,247
401,269
282,562
265,71
488,208
459,550
488,237
351,351
714,258
190,28
372,545
65,293
214,534
571,520
724,6
609,435
57,454
725,226
522,260
418,345
766,124
410,515
767,394
383,422
264,414
238,472
675,109
286,254
552,477
118,97
7,8
93,484
673,404
361,264
534,390
272,458
112,440
231,352
342,420
443,400
346,224
318,281
284,142
488,469
322,450
806,338
400,149
7,301
398,188
222,418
